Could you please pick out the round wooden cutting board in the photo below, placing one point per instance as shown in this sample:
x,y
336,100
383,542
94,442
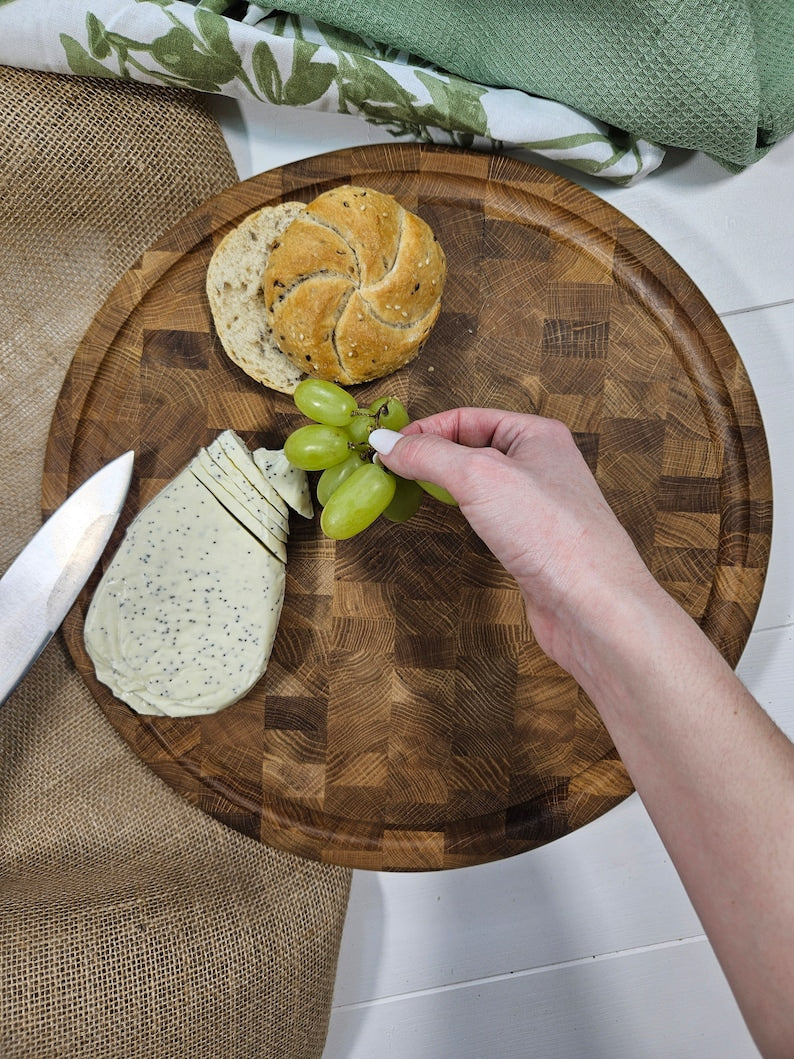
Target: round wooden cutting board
x,y
408,720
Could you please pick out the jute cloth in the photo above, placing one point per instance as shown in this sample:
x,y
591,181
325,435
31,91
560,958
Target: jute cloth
x,y
131,924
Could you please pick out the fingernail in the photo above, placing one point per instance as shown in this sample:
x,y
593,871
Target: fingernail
x,y
383,440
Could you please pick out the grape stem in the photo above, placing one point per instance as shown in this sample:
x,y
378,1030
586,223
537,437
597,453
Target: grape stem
x,y
365,450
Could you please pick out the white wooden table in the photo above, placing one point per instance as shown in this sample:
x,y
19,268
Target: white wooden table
x,y
588,947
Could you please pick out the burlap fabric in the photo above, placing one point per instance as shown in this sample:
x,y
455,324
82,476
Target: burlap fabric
x,y
132,925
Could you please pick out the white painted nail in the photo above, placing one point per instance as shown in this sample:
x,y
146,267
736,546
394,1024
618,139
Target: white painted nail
x,y
383,440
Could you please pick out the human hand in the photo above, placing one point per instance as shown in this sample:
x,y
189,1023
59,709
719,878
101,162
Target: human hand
x,y
679,717
525,489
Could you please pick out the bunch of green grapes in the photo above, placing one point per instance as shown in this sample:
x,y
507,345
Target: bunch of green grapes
x,y
353,489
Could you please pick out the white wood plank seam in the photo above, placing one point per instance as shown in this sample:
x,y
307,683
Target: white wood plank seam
x,y
772,627
754,308
528,972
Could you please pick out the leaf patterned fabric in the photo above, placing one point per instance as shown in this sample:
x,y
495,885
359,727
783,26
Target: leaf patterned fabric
x,y
248,51
601,85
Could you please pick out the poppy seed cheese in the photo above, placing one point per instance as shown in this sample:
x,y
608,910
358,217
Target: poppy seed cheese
x,y
184,618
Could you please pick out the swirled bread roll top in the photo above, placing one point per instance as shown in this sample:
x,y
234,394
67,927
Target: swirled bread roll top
x,y
353,286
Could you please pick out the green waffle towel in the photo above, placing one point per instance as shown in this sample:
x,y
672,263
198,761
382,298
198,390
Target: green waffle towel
x,y
712,75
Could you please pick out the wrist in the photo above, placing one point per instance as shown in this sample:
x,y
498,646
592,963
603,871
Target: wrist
x,y
610,635
642,659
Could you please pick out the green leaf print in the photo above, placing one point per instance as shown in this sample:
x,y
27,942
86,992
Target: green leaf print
x,y
214,30
309,81
581,140
98,43
365,87
457,104
80,61
179,53
202,60
266,72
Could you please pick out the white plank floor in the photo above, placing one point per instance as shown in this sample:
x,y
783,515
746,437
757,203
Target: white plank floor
x,y
587,947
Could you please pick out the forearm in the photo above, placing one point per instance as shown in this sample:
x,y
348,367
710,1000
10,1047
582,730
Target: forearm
x,y
716,775
717,778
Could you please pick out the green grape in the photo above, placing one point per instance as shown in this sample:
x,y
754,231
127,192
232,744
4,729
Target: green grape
x,y
357,502
359,426
316,446
390,413
324,402
352,490
332,477
406,500
438,492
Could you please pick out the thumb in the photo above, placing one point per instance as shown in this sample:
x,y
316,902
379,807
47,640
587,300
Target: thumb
x,y
422,457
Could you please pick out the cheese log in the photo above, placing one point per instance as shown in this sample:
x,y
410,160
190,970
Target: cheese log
x,y
184,619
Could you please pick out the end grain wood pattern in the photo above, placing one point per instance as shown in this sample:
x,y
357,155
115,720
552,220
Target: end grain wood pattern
x,y
408,720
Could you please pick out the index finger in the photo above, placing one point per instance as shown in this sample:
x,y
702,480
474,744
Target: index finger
x,y
508,432
478,427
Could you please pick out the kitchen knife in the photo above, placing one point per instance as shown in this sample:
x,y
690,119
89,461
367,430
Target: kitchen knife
x,y
42,583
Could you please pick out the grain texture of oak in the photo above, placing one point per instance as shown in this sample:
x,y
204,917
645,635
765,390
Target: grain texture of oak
x,y
408,720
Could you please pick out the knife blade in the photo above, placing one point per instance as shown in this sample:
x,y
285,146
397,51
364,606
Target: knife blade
x,y
42,583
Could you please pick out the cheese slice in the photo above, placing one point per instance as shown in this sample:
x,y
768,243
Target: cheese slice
x,y
184,619
289,481
241,487
223,489
231,452
226,472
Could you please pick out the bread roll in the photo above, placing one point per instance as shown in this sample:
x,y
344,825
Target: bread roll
x,y
353,286
234,291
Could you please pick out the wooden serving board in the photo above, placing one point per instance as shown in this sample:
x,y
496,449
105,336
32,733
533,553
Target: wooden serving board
x,y
408,720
